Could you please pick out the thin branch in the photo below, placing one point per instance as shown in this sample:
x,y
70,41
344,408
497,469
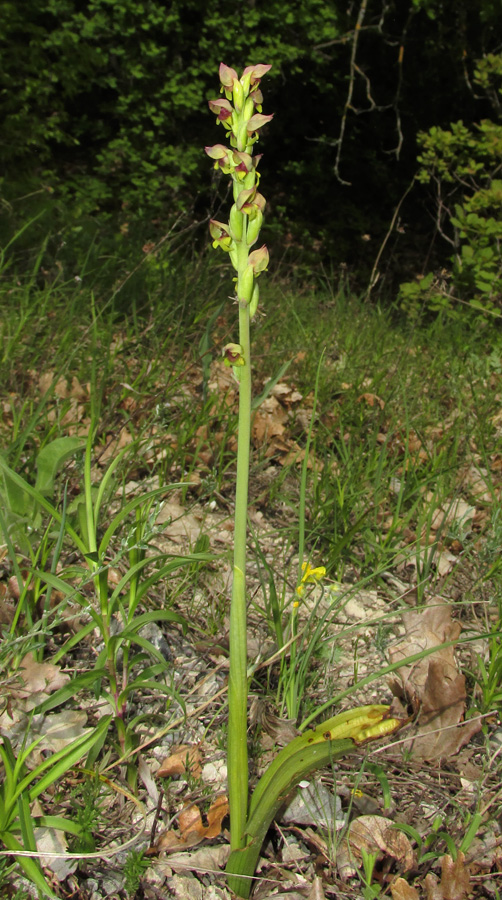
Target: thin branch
x,y
375,274
348,102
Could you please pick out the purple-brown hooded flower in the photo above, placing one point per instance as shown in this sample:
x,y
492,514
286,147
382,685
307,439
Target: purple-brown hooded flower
x,y
223,157
223,109
245,163
258,121
220,235
227,77
250,202
257,98
233,354
256,73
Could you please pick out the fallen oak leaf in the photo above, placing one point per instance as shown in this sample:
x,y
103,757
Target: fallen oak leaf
x,y
167,842
401,890
373,834
211,857
184,759
190,820
215,815
433,685
39,679
192,828
455,880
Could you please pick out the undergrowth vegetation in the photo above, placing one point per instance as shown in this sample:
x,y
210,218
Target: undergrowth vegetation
x,y
117,473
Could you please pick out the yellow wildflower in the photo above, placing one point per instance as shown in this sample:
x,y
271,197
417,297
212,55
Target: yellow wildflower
x,y
310,576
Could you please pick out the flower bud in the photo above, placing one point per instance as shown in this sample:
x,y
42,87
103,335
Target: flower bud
x,y
244,164
254,226
258,260
223,157
236,223
245,285
238,95
256,73
257,98
248,108
223,109
245,199
246,81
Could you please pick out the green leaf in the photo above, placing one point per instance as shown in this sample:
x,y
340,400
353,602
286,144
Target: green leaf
x,y
58,822
70,690
303,755
30,866
41,501
155,615
51,458
64,760
128,508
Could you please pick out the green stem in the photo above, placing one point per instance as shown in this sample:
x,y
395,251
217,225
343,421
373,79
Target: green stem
x,y
237,683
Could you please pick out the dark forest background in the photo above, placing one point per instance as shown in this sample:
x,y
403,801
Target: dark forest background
x,y
104,111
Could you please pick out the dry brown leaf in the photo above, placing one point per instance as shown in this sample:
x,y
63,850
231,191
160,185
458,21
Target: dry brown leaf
x,y
374,834
216,813
179,524
456,511
212,856
184,758
316,892
281,730
192,828
286,394
297,456
190,819
455,881
401,890
371,400
433,685
39,678
46,381
77,391
268,421
168,841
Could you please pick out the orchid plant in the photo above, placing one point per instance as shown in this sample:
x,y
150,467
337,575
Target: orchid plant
x,y
240,114
242,122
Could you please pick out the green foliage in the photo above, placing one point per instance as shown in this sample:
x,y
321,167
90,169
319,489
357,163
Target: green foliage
x,y
6,889
116,617
87,807
23,782
488,674
104,99
134,867
464,163
23,514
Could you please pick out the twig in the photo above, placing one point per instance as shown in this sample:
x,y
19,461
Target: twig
x,y
348,102
375,274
